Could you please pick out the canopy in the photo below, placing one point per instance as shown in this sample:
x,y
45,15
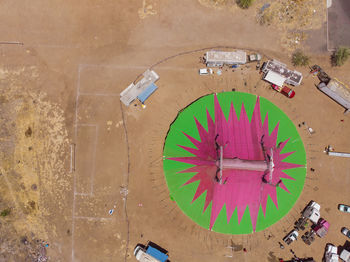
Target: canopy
x,y
275,78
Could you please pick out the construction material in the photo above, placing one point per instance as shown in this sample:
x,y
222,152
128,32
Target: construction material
x,y
134,90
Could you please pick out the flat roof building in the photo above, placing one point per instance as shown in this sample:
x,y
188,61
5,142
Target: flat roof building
x,y
220,58
292,77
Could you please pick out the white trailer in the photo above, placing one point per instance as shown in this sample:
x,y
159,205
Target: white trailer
x,y
221,58
338,91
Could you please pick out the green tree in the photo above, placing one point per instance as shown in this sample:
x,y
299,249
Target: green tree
x,y
245,3
300,59
340,56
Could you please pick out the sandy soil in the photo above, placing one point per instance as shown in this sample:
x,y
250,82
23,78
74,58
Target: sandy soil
x,y
61,89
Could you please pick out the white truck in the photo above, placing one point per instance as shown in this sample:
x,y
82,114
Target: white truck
x,y
312,212
149,254
292,236
331,254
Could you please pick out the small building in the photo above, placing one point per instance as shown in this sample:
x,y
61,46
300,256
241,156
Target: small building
x,y
220,58
338,91
291,77
141,90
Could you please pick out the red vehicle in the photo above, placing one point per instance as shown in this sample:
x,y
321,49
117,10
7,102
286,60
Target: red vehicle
x,y
284,90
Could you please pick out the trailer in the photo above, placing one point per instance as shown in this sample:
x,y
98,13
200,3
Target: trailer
x,y
293,78
220,58
337,91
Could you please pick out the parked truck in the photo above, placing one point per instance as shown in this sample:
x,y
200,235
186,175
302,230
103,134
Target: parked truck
x,y
292,236
150,254
331,254
312,212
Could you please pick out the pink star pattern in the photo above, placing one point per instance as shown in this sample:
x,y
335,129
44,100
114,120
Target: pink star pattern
x,y
240,139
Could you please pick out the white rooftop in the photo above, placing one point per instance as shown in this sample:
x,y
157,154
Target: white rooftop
x,y
274,78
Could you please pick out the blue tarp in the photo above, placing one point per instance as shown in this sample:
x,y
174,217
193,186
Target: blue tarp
x,y
156,254
147,93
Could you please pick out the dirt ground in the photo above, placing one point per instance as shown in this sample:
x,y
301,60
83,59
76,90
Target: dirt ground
x,y
71,152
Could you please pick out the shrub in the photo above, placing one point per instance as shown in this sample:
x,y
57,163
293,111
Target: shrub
x,y
245,3
340,56
300,59
5,212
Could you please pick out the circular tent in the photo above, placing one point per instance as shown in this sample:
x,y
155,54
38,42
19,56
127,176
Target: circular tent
x,y
234,162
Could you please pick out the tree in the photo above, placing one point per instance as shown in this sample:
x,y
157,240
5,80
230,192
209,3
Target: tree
x,y
245,3
340,56
300,59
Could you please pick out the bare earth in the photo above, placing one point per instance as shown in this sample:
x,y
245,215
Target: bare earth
x,y
60,92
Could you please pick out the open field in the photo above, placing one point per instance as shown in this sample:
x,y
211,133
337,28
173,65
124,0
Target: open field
x,y
60,94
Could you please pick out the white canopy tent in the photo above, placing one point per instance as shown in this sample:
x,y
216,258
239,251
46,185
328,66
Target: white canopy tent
x,y
274,78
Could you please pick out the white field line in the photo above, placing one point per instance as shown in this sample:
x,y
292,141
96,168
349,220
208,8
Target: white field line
x,y
74,175
92,174
94,218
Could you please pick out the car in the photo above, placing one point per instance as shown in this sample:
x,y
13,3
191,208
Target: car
x,y
205,71
344,208
345,231
286,91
